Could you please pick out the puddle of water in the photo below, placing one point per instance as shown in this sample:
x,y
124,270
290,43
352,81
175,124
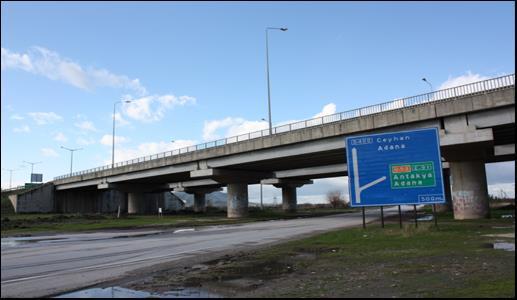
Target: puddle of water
x,y
505,246
184,230
120,292
13,242
426,218
9,243
17,241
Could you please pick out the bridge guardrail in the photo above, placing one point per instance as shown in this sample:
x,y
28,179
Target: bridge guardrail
x,y
20,187
463,90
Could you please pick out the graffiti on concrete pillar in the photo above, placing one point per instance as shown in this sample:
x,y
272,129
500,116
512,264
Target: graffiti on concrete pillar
x,y
464,201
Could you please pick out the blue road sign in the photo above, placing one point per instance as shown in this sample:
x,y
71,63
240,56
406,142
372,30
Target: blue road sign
x,y
395,168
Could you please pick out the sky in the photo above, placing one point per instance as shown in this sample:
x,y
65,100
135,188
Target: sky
x,y
195,72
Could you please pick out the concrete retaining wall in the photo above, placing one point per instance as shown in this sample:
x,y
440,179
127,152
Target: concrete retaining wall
x,y
38,200
90,201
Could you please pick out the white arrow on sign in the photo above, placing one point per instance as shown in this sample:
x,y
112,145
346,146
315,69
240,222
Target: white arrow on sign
x,y
358,188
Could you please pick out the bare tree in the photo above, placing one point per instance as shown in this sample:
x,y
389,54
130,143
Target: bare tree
x,y
502,194
335,199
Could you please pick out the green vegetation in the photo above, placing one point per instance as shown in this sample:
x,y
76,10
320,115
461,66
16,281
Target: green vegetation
x,y
454,260
6,206
27,224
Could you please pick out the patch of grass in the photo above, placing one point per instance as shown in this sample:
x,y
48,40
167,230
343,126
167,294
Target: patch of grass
x,y
480,288
6,206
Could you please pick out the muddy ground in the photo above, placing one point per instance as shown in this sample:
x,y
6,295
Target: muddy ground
x,y
456,259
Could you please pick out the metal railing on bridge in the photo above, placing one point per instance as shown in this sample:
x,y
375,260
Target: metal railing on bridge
x,y
20,187
440,95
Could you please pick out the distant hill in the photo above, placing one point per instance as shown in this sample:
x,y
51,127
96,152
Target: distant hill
x,y
215,199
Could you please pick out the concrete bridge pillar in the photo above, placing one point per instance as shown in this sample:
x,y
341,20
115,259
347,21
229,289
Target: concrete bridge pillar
x,y
237,200
199,202
469,190
447,187
289,202
289,198
135,203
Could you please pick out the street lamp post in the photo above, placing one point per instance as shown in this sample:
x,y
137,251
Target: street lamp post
x,y
113,136
267,71
261,203
10,176
430,85
32,166
71,156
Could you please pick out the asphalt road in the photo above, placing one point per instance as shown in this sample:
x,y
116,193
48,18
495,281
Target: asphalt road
x,y
42,266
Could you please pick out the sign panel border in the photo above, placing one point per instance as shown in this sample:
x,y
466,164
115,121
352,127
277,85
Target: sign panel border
x,y
440,168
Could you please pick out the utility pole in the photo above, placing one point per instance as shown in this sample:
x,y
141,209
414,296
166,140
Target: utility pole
x,y
267,71
113,135
71,156
32,166
261,204
10,176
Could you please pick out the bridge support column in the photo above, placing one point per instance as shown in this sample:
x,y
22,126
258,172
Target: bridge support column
x,y
199,202
135,203
289,202
289,198
447,187
237,200
469,190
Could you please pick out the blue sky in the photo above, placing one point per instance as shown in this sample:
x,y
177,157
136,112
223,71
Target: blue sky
x,y
196,70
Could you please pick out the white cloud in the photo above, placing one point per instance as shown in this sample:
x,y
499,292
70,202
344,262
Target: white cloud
x,y
152,108
85,141
16,61
49,152
17,117
328,109
462,80
146,149
103,77
502,190
24,128
60,137
107,140
85,126
42,61
234,126
42,118
237,126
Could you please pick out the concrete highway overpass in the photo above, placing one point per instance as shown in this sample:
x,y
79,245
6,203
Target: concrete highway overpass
x,y
476,124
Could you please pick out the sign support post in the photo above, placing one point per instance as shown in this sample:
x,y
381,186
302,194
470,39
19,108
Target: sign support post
x,y
400,218
416,217
364,223
382,216
434,216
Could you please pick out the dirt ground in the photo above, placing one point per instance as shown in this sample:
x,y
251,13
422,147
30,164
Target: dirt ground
x,y
456,260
